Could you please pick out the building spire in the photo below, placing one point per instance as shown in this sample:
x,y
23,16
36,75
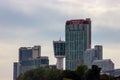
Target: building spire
x,y
60,38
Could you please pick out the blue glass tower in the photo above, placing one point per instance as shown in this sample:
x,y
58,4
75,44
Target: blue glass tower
x,y
25,53
29,58
78,39
34,63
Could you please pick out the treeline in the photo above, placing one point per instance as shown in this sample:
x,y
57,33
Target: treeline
x,y
81,73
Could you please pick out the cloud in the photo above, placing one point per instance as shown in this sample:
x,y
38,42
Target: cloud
x,y
26,23
106,35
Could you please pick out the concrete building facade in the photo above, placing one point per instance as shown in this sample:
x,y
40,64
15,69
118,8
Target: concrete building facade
x,y
36,51
93,54
89,57
105,65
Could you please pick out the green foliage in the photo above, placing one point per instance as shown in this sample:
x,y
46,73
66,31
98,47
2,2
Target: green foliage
x,y
53,74
81,73
69,74
20,77
93,73
41,74
106,77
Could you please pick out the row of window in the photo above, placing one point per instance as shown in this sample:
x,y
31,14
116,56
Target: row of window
x,y
34,62
59,48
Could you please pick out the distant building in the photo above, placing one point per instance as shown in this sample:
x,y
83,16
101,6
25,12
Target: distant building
x,y
52,67
59,52
77,40
105,64
115,73
16,68
34,63
25,53
89,57
99,52
36,51
29,58
92,54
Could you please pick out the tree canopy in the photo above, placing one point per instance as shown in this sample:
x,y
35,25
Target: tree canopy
x,y
81,73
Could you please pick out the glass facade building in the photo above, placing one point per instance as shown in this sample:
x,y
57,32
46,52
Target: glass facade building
x,y
25,53
15,71
77,40
34,63
16,68
29,58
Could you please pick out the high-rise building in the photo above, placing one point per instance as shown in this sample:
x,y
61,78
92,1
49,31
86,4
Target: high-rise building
x,y
36,51
99,52
77,40
89,57
92,54
59,52
16,68
34,63
29,58
25,53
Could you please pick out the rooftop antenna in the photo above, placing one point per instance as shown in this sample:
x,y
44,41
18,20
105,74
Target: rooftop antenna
x,y
60,38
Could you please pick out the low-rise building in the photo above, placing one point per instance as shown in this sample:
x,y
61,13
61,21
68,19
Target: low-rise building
x,y
105,65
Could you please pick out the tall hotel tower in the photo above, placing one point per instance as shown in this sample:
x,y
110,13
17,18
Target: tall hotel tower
x,y
78,39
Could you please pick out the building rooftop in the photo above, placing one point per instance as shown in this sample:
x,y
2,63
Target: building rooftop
x,y
78,21
104,60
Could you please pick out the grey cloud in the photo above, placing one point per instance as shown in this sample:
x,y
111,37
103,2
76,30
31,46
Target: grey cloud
x,y
106,35
24,22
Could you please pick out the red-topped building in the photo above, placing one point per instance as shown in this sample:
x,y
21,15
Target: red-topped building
x,y
78,21
77,40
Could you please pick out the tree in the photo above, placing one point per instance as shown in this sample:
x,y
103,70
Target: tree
x,y
20,77
93,73
34,74
41,74
106,77
53,74
28,75
70,75
81,71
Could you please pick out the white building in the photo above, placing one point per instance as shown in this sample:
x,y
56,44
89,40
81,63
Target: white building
x,y
89,57
92,54
105,64
36,51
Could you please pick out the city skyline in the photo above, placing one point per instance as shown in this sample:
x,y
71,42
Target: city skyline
x,y
24,23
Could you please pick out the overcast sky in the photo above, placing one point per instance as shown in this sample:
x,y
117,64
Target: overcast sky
x,y
39,22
